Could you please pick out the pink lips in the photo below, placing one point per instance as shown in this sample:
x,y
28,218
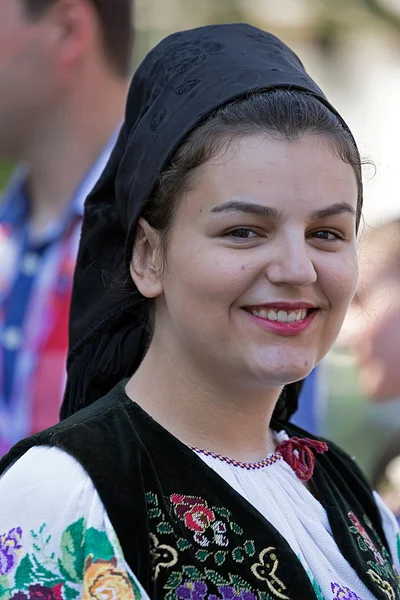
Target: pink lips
x,y
285,328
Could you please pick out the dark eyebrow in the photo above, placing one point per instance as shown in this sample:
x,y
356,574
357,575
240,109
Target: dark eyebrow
x,y
248,207
331,211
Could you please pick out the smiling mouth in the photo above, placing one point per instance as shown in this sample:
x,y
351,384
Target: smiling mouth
x,y
281,315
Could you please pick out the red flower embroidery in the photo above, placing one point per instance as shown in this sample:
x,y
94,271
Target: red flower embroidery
x,y
193,511
368,542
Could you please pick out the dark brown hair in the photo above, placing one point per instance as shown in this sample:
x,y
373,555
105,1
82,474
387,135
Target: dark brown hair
x,y
116,26
282,114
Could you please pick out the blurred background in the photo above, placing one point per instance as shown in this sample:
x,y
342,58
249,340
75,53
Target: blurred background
x,y
352,49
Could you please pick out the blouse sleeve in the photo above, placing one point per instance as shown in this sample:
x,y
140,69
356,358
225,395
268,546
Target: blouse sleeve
x,y
56,541
391,529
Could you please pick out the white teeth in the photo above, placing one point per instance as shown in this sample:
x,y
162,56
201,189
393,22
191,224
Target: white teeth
x,y
282,316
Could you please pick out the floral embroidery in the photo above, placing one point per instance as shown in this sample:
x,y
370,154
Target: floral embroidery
x,y
194,511
366,539
381,571
212,538
83,566
192,590
102,579
266,569
39,592
228,592
219,529
197,590
10,550
343,593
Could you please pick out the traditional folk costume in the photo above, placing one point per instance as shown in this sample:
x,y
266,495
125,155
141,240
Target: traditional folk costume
x,y
118,506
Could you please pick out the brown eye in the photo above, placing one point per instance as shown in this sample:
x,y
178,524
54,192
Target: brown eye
x,y
242,233
328,236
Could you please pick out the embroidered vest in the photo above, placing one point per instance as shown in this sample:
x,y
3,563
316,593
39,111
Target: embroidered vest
x,y
186,533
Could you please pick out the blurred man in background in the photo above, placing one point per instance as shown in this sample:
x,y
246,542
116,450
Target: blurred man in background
x,y
64,69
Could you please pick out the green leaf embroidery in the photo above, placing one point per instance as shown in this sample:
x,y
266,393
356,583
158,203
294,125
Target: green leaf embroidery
x,y
164,527
183,544
238,554
317,590
136,590
24,576
223,512
240,583
174,580
316,587
249,547
236,529
362,544
5,593
216,578
98,544
191,572
44,575
202,555
154,513
71,594
151,499
264,596
63,572
72,555
220,557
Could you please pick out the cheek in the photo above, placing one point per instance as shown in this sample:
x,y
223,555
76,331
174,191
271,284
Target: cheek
x,y
214,278
339,281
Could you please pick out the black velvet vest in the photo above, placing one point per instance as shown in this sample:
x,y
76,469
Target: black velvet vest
x,y
186,533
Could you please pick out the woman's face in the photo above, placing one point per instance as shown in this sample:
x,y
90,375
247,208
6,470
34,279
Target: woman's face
x,y
261,262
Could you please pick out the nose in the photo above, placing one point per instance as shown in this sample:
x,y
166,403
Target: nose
x,y
292,264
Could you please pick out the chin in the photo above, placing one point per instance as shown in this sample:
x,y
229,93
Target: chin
x,y
272,370
285,375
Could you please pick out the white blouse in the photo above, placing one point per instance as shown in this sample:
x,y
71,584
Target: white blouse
x,y
57,542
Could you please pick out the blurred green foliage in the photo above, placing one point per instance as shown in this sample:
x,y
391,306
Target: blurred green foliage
x,y
5,172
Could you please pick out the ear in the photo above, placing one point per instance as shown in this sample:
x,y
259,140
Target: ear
x,y
146,264
71,29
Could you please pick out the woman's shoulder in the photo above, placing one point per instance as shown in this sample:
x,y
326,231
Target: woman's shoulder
x,y
56,539
89,429
47,479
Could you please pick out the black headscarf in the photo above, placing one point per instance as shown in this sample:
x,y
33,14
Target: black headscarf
x,y
179,84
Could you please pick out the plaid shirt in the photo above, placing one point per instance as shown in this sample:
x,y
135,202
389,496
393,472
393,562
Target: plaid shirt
x,y
35,288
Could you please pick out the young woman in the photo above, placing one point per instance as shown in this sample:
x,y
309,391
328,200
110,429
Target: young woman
x,y
228,216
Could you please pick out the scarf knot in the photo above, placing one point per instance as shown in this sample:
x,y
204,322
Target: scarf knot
x,y
299,454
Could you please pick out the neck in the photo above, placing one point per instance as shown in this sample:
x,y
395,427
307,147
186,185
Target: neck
x,y
64,149
202,412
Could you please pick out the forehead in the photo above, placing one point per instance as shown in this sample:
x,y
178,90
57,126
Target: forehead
x,y
298,175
